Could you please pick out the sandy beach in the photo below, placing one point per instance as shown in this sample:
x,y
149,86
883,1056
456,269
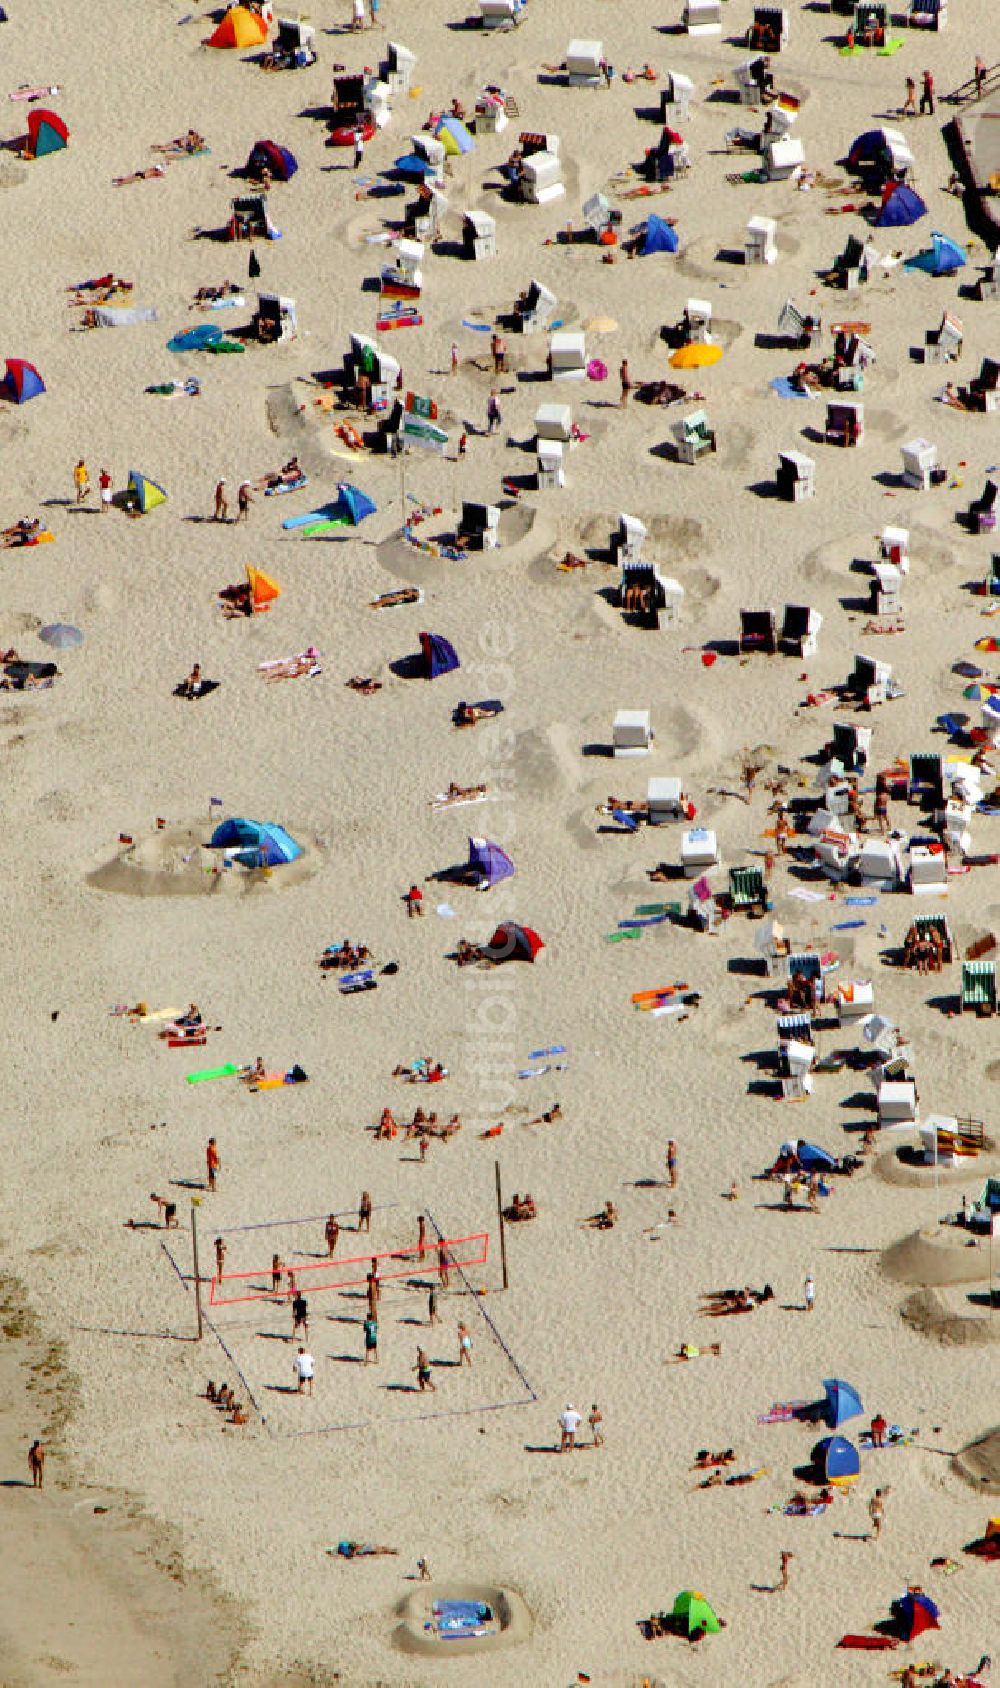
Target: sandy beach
x,y
218,1549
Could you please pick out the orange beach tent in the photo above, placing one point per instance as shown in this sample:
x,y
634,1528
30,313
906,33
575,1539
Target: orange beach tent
x,y
263,590
239,28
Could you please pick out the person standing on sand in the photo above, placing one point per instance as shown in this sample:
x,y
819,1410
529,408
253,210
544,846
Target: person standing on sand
x,y
81,481
104,483
672,1164
595,1421
331,1232
569,1424
374,1289
786,1559
454,357
809,1290
421,1233
464,1346
36,1464
221,505
220,1257
433,1316
626,381
423,1570
876,1512
423,1371
300,1316
444,1266
371,1341
244,499
213,1162
277,1267
365,1212
909,106
927,93
304,1367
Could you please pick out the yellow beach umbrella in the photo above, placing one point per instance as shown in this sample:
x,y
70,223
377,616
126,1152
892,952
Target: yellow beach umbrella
x,y
695,356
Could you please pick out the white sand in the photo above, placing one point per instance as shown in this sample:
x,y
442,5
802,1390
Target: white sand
x,y
595,1542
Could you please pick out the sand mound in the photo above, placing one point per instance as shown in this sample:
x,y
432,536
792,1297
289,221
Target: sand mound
x,y
935,1256
175,862
905,1165
513,1620
979,1462
945,1317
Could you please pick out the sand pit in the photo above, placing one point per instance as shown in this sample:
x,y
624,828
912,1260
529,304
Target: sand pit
x,y
979,1463
509,1623
176,862
948,1317
906,1167
937,1256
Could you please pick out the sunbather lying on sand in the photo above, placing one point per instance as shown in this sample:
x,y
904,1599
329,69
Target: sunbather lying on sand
x,y
20,534
571,561
466,953
688,1351
462,793
605,1220
287,475
291,667
704,1460
154,171
366,686
184,144
357,1550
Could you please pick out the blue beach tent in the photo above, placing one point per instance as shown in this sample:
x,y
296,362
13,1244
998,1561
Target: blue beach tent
x,y
659,237
256,843
836,1459
842,1402
900,207
944,258
439,655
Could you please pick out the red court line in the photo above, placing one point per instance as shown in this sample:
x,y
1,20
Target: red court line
x,y
410,1259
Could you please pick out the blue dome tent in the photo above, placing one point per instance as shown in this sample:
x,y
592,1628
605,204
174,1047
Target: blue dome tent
x,y
349,510
836,1459
439,655
255,843
812,1158
489,863
842,1402
659,237
944,258
900,207
21,382
865,149
914,1613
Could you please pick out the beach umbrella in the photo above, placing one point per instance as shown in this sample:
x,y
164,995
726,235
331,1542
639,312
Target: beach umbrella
x,y
697,355
694,1612
979,691
61,635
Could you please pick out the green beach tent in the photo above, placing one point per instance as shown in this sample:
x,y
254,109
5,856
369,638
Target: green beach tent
x,y
693,1612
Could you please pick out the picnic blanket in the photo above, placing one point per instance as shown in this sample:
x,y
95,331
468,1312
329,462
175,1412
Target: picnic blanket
x,y
111,316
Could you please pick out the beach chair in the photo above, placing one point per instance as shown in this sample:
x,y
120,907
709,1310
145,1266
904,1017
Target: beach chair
x,y
851,746
479,235
853,266
988,284
598,214
757,633
396,69
799,327
627,539
845,423
645,596
920,464
583,64
540,179
293,45
796,477
549,471
993,577
479,526
926,778
880,863
699,851
535,309
702,17
491,112
554,422
938,924
693,437
944,344
675,98
772,947
897,1102
275,319
928,869
768,32
664,803
501,14
760,244
747,892
894,547
926,14
697,322
567,357
982,515
800,627
887,590
870,681
984,388
631,733
979,988
783,156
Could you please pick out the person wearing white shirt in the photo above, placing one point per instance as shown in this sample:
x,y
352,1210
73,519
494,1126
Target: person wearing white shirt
x,y
569,1423
304,1367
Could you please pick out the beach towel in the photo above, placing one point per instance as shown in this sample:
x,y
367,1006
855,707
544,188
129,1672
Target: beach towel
x,y
630,822
108,316
782,1412
620,937
869,1643
785,389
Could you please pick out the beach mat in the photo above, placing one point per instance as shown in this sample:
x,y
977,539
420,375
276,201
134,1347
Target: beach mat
x,y
228,1070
